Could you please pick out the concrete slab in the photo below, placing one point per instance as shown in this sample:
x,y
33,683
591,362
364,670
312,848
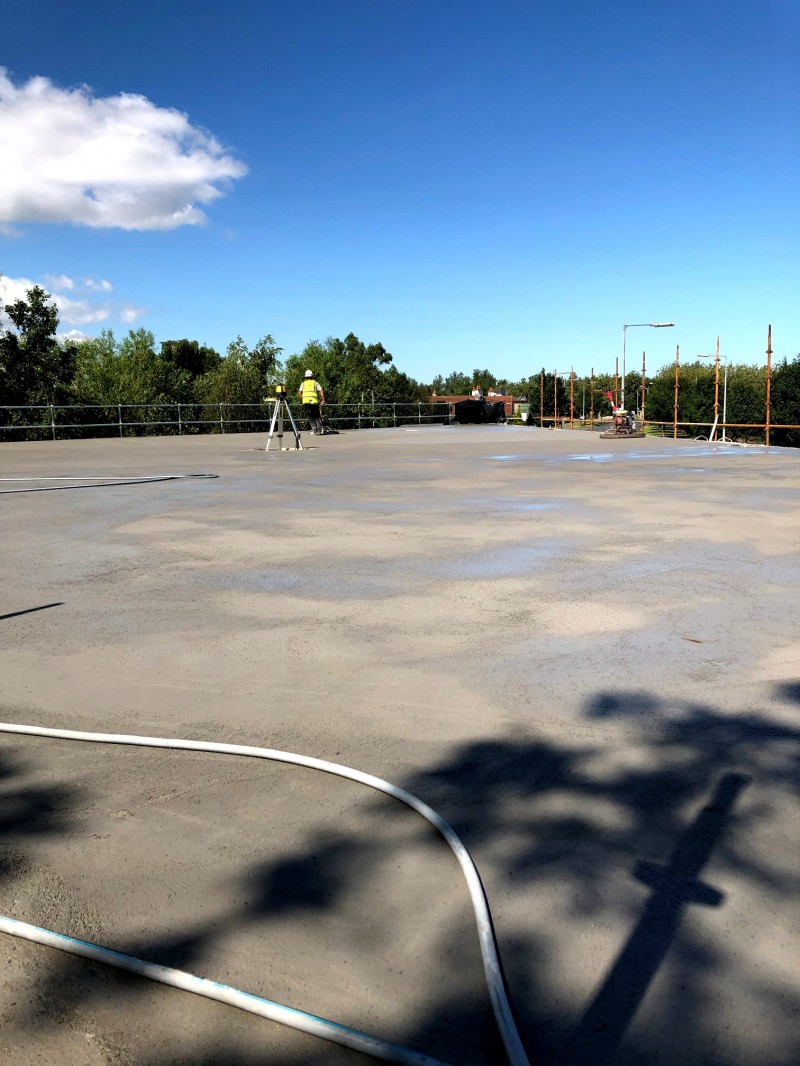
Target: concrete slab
x,y
584,653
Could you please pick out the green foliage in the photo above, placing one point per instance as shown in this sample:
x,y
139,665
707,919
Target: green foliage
x,y
264,357
130,372
547,394
95,369
660,396
747,400
193,358
458,384
244,376
786,402
695,396
351,372
34,367
127,372
746,397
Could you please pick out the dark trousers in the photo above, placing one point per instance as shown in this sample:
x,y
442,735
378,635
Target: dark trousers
x,y
311,411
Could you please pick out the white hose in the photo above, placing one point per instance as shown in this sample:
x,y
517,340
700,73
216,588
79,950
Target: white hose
x,y
133,479
276,1012
491,961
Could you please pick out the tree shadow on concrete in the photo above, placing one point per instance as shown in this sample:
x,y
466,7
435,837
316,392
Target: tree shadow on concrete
x,y
27,811
682,804
536,812
674,885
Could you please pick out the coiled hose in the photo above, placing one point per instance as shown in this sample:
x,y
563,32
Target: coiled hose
x,y
307,1023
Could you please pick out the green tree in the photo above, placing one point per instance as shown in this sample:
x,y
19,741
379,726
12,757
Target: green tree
x,y
785,399
34,367
190,356
95,369
747,400
396,387
353,372
695,396
145,378
127,372
746,397
455,384
265,358
245,376
349,370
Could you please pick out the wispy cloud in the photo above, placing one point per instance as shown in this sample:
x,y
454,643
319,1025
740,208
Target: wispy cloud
x,y
129,314
58,281
98,284
116,161
80,301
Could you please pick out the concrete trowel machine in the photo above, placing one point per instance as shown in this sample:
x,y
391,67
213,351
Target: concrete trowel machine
x,y
623,424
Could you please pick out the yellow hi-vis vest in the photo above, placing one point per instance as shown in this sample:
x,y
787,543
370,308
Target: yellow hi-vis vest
x,y
310,391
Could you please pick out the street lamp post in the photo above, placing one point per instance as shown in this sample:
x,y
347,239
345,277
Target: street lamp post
x,y
717,356
627,326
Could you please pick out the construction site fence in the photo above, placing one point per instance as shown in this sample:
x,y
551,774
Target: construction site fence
x,y
745,432
68,422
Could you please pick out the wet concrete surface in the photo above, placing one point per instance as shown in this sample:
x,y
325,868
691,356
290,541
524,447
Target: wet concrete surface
x,y
584,654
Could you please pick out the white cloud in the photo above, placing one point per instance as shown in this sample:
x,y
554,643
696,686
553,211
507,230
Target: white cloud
x,y
80,312
11,290
74,335
59,281
88,303
128,313
116,161
98,284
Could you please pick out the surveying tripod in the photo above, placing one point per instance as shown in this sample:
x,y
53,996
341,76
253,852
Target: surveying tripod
x,y
281,405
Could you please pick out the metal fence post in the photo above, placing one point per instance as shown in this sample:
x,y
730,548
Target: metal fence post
x,y
180,427
119,415
359,416
419,413
394,414
52,422
221,423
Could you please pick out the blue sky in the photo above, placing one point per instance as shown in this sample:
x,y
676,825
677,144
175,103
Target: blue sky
x,y
498,184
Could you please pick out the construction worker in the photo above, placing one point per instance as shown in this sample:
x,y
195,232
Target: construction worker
x,y
312,396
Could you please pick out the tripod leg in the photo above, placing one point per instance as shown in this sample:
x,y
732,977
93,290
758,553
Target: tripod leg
x,y
297,443
272,424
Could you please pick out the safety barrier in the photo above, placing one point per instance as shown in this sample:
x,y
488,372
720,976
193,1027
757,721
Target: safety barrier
x,y
63,422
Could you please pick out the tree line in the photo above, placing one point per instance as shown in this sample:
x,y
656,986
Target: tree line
x,y
37,369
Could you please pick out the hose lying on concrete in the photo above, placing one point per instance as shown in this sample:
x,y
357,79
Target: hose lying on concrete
x,y
166,975
296,1019
133,479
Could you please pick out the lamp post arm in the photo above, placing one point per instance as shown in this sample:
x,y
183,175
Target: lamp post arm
x,y
626,326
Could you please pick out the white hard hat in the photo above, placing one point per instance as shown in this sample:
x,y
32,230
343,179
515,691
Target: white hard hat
x,y
309,374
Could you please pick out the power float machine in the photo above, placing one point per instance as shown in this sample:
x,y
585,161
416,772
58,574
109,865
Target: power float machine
x,y
623,424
